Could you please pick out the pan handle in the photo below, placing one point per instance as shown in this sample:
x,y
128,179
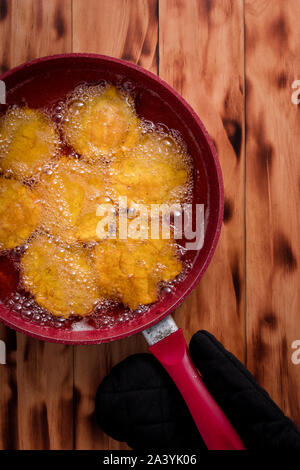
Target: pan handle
x,y
214,427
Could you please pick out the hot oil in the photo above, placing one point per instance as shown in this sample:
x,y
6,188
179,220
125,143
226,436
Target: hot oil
x,y
105,313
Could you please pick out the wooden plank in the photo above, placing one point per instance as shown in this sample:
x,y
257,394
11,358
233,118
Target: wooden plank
x,y
36,385
120,28
201,55
273,198
9,438
127,30
5,34
8,390
45,394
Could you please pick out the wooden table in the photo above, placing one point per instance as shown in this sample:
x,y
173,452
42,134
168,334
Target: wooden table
x,y
235,62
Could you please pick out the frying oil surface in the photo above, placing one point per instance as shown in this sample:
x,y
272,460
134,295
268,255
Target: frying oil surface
x,y
88,150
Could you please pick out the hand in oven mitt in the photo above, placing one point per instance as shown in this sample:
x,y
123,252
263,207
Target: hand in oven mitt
x,y
138,402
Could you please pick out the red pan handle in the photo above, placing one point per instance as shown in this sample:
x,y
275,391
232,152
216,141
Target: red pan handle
x,y
214,427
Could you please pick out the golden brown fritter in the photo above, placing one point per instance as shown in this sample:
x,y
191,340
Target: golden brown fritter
x,y
19,213
119,157
100,121
60,278
69,197
28,141
154,172
129,271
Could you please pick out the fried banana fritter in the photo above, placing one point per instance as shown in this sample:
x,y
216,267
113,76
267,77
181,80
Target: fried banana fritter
x,y
19,213
100,121
69,197
119,156
61,279
28,141
154,172
130,271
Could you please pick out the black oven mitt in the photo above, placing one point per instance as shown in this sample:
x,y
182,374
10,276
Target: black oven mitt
x,y
138,403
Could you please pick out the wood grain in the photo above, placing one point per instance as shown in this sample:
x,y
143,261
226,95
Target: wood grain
x,y
5,35
201,55
273,198
45,394
121,28
36,394
127,30
249,297
9,433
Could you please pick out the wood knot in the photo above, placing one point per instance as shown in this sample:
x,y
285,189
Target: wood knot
x,y
283,254
228,211
234,132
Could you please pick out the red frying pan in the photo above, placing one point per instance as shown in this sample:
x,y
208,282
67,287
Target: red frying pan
x,y
43,82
